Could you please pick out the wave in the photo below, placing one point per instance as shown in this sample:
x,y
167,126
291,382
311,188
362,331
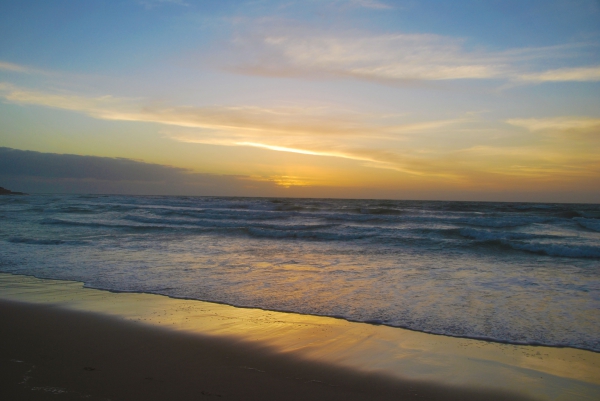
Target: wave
x,y
158,220
196,213
299,231
381,211
210,223
569,214
590,224
78,210
53,221
590,214
36,241
307,235
523,242
292,208
122,208
488,235
500,222
360,218
226,214
560,250
450,330
76,223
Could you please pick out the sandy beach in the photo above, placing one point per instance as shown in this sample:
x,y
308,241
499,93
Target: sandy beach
x,y
49,353
300,200
63,341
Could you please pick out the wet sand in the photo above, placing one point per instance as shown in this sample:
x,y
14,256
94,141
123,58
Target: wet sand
x,y
52,353
62,341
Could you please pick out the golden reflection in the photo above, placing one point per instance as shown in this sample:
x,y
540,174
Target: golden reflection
x,y
542,372
285,181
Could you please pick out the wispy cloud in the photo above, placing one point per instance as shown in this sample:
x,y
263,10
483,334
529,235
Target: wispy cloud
x,y
568,123
373,4
582,74
266,121
298,130
155,3
378,141
12,67
365,56
283,49
104,107
20,68
344,4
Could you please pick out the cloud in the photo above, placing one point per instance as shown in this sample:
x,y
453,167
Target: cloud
x,y
50,172
583,74
378,141
343,4
276,48
352,138
365,56
155,3
569,123
12,67
106,107
300,130
288,121
19,68
50,165
373,4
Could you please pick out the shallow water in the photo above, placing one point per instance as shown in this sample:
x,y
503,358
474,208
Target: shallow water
x,y
511,272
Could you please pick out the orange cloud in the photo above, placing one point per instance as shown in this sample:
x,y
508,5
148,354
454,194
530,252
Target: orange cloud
x,y
371,140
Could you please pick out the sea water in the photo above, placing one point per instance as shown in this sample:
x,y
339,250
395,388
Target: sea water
x,y
522,273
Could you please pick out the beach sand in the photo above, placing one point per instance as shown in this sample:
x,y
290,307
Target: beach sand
x,y
62,341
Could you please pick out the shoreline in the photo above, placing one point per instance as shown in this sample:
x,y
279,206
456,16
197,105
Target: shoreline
x,y
349,320
399,357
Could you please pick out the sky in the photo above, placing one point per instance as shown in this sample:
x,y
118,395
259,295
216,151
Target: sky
x,y
392,99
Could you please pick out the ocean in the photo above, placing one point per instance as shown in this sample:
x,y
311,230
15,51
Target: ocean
x,y
520,273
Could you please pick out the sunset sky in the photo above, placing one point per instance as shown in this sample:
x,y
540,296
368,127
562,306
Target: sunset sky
x,y
415,99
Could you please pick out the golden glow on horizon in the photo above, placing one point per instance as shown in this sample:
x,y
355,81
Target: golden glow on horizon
x,y
285,181
380,150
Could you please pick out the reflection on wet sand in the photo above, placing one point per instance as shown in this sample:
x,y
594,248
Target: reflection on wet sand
x,y
541,372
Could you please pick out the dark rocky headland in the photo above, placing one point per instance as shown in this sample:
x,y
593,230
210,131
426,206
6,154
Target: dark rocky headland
x,y
4,191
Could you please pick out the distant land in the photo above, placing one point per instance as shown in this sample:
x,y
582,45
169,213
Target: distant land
x,y
4,191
